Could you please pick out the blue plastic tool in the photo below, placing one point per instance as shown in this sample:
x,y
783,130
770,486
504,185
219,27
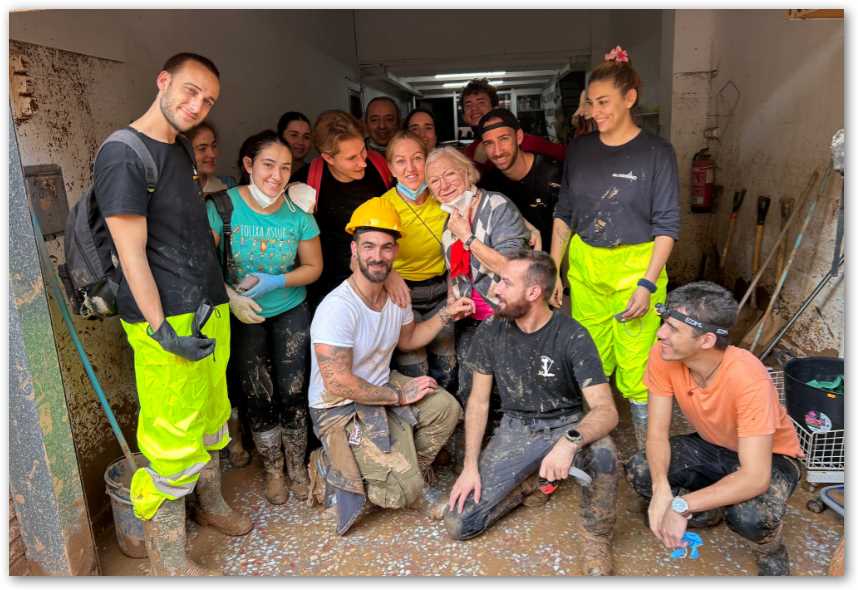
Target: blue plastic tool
x,y
691,549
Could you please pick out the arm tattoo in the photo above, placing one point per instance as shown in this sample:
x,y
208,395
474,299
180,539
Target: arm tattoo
x,y
335,365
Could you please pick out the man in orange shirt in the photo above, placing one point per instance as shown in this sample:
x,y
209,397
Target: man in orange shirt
x,y
741,463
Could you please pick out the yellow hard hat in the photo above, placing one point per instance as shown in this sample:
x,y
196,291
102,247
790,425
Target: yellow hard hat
x,y
375,213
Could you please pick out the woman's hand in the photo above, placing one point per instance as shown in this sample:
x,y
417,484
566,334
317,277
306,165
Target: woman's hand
x,y
266,284
459,226
244,308
396,288
638,304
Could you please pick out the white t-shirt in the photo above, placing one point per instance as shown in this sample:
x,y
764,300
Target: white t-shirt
x,y
343,319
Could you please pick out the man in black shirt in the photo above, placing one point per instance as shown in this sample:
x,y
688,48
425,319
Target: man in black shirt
x,y
345,175
531,181
174,310
545,365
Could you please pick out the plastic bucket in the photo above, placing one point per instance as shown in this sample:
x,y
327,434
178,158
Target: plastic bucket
x,y
129,528
814,409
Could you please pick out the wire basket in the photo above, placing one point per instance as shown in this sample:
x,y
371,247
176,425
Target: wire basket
x,y
824,452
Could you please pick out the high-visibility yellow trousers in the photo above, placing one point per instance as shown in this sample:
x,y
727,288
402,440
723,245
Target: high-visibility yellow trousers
x,y
601,282
184,410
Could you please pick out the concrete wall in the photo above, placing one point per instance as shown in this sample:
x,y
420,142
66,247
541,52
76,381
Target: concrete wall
x,y
789,103
791,78
270,61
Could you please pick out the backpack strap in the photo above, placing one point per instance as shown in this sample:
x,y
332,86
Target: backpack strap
x,y
381,165
189,150
223,206
130,138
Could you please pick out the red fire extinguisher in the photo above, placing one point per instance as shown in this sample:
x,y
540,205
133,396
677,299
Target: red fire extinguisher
x,y
702,182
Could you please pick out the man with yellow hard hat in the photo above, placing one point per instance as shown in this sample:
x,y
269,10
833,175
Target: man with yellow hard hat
x,y
380,430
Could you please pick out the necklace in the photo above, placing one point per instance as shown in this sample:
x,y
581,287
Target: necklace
x,y
712,372
366,300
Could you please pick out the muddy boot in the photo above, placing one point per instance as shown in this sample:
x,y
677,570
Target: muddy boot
x,y
213,510
431,503
639,422
295,448
707,519
536,491
269,446
317,489
772,557
597,554
164,535
238,456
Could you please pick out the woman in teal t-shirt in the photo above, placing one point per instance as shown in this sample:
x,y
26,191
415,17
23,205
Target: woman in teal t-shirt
x,y
276,251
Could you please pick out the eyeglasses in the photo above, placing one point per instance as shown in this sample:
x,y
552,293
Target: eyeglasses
x,y
663,312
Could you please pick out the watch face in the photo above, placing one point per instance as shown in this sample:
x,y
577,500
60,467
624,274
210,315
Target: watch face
x,y
679,505
573,435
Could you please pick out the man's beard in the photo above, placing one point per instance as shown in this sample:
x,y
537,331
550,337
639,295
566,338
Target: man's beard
x,y
370,276
513,310
168,110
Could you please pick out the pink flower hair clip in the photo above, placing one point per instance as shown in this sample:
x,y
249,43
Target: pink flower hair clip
x,y
617,54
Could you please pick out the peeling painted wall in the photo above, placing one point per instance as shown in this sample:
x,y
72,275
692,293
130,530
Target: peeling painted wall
x,y
72,113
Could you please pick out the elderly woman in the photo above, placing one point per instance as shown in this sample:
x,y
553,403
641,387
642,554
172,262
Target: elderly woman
x,y
482,230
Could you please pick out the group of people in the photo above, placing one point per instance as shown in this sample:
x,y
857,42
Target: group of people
x,y
405,300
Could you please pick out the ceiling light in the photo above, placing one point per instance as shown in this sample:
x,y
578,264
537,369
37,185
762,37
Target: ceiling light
x,y
461,84
471,75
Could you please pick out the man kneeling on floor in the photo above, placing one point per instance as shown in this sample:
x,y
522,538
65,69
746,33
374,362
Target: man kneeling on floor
x,y
543,362
741,462
380,430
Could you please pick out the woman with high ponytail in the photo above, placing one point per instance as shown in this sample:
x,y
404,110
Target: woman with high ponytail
x,y
619,203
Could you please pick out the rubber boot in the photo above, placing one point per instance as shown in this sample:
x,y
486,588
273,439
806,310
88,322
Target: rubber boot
x,y
639,422
164,535
238,456
431,503
598,556
213,510
269,446
707,519
772,557
295,448
536,494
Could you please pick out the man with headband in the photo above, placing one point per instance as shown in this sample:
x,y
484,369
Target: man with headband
x,y
741,463
530,180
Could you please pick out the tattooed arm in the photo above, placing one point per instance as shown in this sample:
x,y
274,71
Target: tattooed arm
x,y
335,365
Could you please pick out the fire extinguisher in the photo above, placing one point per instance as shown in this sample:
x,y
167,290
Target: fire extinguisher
x,y
702,182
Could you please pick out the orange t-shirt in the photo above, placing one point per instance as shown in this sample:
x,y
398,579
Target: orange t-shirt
x,y
740,401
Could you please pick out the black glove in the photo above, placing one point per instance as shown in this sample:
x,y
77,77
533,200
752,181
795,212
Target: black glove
x,y
189,347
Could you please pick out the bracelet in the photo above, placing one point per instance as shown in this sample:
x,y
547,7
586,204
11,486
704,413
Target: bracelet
x,y
395,390
647,284
469,241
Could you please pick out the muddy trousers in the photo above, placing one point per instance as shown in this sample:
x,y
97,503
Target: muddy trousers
x,y
184,408
438,358
395,479
274,397
601,282
696,464
514,453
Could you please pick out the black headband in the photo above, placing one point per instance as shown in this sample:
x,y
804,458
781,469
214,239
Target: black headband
x,y
664,312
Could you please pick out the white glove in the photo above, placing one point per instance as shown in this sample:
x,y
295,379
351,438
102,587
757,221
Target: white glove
x,y
244,308
303,195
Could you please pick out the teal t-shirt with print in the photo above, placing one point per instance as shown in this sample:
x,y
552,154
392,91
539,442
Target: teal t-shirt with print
x,y
266,243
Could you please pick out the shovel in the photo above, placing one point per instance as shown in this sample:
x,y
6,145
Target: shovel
x,y
738,197
763,204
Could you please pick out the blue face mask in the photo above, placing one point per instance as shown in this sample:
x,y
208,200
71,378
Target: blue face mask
x,y
408,193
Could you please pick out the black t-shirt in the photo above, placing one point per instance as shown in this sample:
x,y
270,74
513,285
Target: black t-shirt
x,y
626,194
179,244
535,195
336,203
539,374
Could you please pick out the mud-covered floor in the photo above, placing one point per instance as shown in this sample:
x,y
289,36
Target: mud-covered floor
x,y
294,539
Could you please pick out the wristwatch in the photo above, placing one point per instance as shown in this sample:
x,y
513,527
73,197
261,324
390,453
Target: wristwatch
x,y
573,436
470,241
680,506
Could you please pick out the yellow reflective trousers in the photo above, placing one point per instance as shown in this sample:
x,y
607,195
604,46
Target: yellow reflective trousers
x,y
184,409
601,282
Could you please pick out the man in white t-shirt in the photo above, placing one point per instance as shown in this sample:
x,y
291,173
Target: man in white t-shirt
x,y
380,430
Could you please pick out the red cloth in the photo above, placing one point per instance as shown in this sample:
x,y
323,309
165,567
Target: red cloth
x,y
460,265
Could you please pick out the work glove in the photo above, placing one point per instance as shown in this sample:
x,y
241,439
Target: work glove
x,y
192,348
266,284
244,308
